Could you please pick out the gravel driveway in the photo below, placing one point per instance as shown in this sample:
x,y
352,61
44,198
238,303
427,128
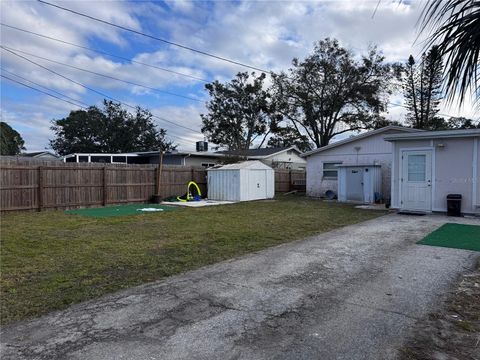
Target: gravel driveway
x,y
352,293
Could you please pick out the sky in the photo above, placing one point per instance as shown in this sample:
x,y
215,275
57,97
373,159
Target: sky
x,y
264,34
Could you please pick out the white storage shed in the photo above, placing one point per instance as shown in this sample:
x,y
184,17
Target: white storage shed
x,y
359,183
244,181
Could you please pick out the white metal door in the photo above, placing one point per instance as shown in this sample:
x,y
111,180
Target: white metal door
x,y
416,180
354,184
257,184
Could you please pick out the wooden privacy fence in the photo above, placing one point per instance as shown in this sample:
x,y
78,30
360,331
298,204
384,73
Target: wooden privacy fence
x,y
288,180
33,185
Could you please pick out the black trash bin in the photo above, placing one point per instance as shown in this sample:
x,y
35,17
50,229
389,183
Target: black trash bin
x,y
454,205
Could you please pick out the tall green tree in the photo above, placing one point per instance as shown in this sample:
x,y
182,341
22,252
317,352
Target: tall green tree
x,y
239,112
462,123
11,142
382,122
286,136
423,89
111,129
454,26
330,92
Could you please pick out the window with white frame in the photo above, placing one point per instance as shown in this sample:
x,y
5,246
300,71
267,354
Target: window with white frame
x,y
119,159
330,170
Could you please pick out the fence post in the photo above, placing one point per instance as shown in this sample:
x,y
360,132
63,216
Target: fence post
x,y
156,189
158,176
104,180
40,188
290,187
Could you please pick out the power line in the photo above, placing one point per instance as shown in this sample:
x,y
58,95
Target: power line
x,y
69,102
155,37
44,87
105,53
93,90
44,92
103,75
406,107
376,8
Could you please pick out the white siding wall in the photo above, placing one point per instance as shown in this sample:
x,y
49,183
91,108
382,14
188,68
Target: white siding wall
x,y
224,185
297,161
453,167
453,173
373,149
477,175
199,160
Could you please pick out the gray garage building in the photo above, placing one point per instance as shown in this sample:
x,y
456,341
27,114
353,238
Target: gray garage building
x,y
427,166
367,149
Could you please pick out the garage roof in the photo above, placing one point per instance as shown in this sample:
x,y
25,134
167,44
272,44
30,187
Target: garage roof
x,y
434,134
361,136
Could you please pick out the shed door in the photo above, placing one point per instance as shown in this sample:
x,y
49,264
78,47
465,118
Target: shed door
x,y
354,184
416,180
257,188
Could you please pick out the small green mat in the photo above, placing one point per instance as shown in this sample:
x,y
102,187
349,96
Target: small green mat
x,y
457,236
120,210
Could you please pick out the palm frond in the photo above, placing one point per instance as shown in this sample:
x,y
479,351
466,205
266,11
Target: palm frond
x,y
454,26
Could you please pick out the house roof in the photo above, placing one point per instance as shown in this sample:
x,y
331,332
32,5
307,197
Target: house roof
x,y
101,154
38,153
251,164
434,134
361,136
150,153
184,153
251,153
259,153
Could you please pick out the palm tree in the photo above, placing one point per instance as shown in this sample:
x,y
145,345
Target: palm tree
x,y
454,25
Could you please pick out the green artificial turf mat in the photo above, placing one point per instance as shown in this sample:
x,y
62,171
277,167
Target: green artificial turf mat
x,y
457,236
120,210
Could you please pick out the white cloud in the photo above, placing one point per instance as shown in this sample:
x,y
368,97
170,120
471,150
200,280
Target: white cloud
x,y
182,6
188,116
263,34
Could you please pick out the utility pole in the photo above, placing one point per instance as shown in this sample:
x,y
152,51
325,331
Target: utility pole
x,y
157,197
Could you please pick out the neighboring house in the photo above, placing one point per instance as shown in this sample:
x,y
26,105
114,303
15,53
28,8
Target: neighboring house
x,y
205,159
42,155
367,149
123,158
185,158
278,158
428,166
283,158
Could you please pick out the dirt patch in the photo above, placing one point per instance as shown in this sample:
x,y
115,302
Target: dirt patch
x,y
454,331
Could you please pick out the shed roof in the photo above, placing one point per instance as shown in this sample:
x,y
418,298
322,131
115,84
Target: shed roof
x,y
361,136
259,153
253,164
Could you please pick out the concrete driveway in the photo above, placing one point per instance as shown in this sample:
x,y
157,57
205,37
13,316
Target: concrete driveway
x,y
352,293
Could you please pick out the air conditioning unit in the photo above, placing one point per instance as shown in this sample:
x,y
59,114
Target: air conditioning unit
x,y
202,146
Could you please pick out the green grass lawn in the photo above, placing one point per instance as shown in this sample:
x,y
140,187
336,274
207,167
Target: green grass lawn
x,y
50,260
